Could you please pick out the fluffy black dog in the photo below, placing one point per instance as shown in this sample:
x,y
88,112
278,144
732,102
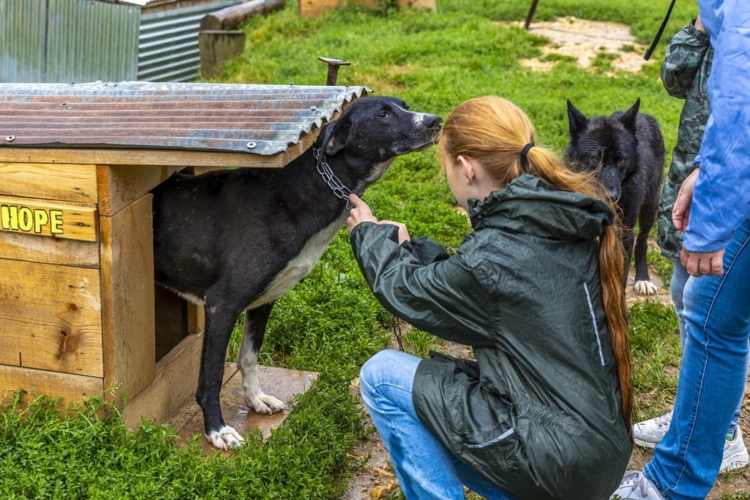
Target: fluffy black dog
x,y
626,150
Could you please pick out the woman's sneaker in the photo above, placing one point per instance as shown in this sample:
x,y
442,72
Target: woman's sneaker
x,y
735,453
649,432
635,486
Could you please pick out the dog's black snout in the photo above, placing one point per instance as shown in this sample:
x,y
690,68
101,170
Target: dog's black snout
x,y
432,121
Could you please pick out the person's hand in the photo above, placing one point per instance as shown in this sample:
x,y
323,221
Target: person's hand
x,y
698,24
403,233
703,263
360,213
681,209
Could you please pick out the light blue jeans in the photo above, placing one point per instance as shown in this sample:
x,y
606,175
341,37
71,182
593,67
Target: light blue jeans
x,y
425,468
676,289
712,377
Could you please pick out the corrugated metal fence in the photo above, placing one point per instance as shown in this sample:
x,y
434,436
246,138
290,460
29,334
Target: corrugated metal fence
x,y
67,40
62,41
168,43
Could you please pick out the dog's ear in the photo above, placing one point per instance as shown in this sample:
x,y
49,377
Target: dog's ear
x,y
333,136
577,122
629,117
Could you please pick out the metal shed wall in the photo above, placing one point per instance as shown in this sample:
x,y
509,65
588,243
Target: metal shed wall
x,y
168,42
60,41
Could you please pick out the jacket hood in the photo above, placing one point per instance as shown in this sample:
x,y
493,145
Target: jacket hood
x,y
529,205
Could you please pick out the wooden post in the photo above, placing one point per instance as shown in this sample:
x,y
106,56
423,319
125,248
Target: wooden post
x,y
216,47
231,17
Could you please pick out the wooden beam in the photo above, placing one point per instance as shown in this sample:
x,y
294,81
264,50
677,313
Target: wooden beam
x,y
22,247
216,47
128,317
230,17
71,388
175,382
61,182
119,185
155,158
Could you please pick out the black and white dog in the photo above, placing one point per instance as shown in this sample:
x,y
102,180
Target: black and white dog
x,y
237,240
626,150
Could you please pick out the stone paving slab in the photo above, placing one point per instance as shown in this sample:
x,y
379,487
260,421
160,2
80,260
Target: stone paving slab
x,y
278,382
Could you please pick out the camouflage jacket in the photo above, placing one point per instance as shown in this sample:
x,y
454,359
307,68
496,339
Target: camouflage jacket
x,y
685,70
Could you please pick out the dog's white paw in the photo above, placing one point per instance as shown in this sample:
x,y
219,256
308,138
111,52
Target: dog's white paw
x,y
644,287
263,403
225,438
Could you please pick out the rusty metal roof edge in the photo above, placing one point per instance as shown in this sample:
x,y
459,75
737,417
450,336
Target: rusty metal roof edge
x,y
318,123
339,97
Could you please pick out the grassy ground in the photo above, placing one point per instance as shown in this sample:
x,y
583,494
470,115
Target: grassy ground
x,y
330,323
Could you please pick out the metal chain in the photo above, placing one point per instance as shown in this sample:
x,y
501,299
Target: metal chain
x,y
324,169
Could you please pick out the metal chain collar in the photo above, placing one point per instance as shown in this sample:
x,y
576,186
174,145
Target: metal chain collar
x,y
324,169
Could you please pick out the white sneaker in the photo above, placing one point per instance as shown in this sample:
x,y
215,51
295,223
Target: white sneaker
x,y
649,432
735,453
635,486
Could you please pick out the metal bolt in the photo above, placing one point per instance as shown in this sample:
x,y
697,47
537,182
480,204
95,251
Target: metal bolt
x,y
251,145
10,138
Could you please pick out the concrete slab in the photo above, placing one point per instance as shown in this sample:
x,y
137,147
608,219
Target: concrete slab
x,y
278,382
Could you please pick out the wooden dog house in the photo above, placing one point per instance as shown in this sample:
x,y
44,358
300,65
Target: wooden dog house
x,y
80,314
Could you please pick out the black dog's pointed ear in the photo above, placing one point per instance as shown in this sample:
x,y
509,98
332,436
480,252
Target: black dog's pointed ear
x,y
333,136
629,117
577,121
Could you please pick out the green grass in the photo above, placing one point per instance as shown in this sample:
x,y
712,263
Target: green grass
x,y
330,322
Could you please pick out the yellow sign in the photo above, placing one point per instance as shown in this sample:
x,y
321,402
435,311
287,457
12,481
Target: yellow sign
x,y
48,219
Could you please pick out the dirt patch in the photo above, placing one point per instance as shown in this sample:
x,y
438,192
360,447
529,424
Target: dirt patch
x,y
586,42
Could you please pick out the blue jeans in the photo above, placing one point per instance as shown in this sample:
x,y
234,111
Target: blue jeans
x,y
676,289
712,377
425,468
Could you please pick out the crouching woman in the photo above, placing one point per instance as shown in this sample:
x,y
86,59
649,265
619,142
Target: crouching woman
x,y
536,290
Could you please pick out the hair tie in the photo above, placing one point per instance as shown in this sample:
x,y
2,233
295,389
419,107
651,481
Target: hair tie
x,y
525,150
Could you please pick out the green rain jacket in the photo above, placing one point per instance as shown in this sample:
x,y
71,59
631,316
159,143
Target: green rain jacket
x,y
539,414
685,72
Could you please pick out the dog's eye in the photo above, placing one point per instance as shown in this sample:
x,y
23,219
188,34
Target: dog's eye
x,y
384,114
621,161
596,159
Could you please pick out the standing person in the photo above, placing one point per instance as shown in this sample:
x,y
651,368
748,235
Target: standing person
x,y
713,206
685,71
536,290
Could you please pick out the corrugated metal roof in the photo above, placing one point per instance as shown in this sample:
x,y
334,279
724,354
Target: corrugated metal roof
x,y
257,119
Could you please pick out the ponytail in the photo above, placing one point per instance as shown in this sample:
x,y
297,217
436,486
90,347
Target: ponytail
x,y
501,137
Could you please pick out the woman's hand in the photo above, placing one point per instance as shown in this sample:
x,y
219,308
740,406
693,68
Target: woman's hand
x,y
360,213
403,233
698,24
681,208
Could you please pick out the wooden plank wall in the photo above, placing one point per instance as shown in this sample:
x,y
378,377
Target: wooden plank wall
x,y
50,294
127,277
